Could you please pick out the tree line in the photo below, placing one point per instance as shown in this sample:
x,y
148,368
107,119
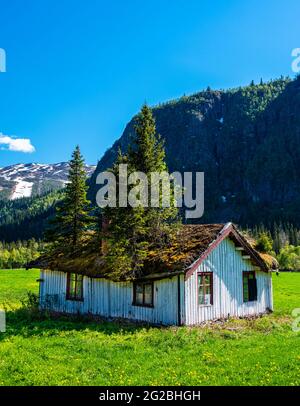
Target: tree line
x,y
284,244
18,254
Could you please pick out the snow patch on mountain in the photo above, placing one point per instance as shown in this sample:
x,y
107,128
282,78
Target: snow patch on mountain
x,y
22,189
25,180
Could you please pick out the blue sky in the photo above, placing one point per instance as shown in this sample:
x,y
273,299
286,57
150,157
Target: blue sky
x,y
77,71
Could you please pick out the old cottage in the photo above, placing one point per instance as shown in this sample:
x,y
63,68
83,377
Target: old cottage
x,y
211,272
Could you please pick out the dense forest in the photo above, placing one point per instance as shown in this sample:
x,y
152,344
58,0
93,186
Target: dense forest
x,y
282,241
18,254
26,218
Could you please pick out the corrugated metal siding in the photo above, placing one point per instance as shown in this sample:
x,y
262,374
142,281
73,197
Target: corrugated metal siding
x,y
227,266
110,299
113,299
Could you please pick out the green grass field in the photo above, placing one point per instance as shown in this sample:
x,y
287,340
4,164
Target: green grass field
x,y
43,351
14,284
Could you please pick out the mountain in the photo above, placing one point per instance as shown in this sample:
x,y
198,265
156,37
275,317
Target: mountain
x,y
246,141
28,180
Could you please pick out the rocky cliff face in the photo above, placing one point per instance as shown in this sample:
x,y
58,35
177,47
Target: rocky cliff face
x,y
246,140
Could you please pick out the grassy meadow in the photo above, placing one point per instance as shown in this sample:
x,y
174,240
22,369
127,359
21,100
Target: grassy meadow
x,y
39,350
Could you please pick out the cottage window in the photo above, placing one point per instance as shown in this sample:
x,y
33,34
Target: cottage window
x,y
74,286
143,294
205,288
249,286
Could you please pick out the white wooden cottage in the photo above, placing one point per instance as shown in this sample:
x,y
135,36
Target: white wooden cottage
x,y
215,274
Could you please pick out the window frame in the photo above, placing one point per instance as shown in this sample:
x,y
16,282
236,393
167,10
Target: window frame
x,y
74,297
134,302
211,276
247,273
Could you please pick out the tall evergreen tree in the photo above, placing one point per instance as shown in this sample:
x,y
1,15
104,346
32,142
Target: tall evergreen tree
x,y
73,215
132,231
147,154
124,231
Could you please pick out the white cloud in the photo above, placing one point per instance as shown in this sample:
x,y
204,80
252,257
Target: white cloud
x,y
16,144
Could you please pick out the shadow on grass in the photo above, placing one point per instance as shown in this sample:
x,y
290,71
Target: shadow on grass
x,y
31,322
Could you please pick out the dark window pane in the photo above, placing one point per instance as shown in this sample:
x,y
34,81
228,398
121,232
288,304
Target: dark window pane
x,y
72,285
71,289
148,294
79,286
75,286
249,287
143,294
139,294
252,290
207,279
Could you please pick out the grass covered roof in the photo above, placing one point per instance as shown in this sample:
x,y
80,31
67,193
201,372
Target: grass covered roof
x,y
191,244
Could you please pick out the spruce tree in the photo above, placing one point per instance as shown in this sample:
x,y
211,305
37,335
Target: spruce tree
x,y
148,156
133,231
147,153
73,215
125,235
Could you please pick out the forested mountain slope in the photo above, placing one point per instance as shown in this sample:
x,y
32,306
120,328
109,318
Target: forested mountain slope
x,y
246,140
27,218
